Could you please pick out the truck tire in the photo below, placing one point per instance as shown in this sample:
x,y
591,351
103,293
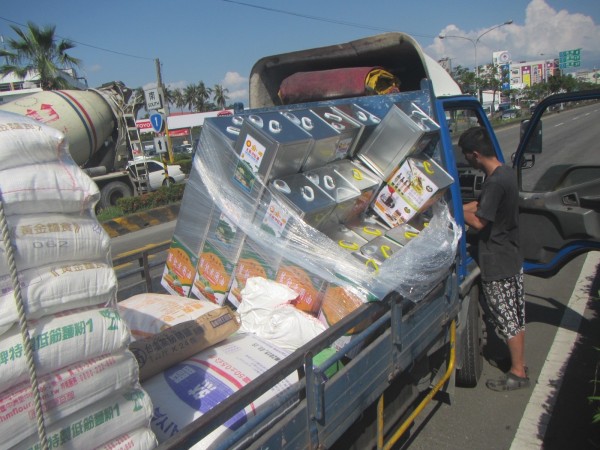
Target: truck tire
x,y
112,192
472,359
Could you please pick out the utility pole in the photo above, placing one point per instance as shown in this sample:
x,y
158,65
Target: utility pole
x,y
165,104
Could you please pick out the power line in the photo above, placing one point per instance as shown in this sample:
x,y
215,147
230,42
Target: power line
x,y
84,44
321,19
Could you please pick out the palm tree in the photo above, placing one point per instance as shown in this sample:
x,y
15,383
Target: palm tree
x,y
189,96
202,95
179,99
37,51
220,95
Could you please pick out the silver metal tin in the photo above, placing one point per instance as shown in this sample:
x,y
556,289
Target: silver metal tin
x,y
311,202
362,179
402,234
269,146
228,127
346,196
368,227
398,136
380,249
366,120
344,237
326,145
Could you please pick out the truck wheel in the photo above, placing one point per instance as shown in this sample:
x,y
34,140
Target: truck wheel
x,y
472,362
112,192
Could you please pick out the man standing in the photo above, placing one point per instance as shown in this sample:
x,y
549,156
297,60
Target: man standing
x,y
495,216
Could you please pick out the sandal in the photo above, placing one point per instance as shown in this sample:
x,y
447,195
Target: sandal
x,y
510,382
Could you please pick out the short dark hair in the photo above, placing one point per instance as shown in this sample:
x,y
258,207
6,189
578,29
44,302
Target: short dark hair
x,y
476,139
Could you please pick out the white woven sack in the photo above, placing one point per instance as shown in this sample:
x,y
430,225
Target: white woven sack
x,y
60,340
148,314
64,392
98,423
191,388
54,288
139,439
24,141
44,239
59,186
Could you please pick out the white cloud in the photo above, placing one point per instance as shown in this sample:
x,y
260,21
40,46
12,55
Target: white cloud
x,y
237,87
545,31
177,85
93,69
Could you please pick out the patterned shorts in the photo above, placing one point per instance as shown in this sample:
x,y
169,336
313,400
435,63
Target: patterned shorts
x,y
506,301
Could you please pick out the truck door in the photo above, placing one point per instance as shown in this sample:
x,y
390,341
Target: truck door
x,y
558,166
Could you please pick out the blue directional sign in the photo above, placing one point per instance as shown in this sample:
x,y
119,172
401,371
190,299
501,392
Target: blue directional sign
x,y
157,122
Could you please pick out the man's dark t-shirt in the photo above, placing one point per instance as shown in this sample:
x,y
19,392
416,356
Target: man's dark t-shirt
x,y
499,254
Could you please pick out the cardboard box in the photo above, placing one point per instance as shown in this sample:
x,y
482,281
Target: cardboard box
x,y
179,270
310,287
412,188
419,180
254,261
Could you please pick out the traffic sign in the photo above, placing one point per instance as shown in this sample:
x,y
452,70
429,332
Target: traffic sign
x,y
160,145
569,58
153,99
157,122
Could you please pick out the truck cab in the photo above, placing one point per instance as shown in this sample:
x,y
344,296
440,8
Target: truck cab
x,y
411,350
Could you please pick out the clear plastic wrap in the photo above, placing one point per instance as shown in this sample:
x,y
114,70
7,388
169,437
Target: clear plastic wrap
x,y
413,272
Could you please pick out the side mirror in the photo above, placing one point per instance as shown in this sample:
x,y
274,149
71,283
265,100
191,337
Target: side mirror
x,y
534,145
525,162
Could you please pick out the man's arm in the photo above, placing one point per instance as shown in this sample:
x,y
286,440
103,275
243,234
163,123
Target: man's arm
x,y
475,222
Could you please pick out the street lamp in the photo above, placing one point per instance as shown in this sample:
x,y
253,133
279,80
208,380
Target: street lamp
x,y
475,42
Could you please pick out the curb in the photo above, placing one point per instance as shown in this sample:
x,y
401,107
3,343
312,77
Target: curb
x,y
138,221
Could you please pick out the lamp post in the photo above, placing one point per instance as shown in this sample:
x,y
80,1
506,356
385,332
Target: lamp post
x,y
475,41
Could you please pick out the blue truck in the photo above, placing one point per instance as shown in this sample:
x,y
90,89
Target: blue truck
x,y
411,350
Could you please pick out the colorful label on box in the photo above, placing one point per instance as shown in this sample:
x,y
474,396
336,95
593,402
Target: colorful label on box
x,y
275,219
179,269
251,157
213,275
413,183
309,287
392,208
253,262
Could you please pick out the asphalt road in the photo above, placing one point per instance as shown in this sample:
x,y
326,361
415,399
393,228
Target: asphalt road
x,y
478,418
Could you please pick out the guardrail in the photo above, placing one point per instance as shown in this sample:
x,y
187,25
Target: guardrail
x,y
143,268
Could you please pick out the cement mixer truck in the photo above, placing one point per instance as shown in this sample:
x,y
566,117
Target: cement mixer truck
x,y
100,126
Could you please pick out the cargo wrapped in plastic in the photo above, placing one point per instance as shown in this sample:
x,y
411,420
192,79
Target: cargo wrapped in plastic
x,y
258,228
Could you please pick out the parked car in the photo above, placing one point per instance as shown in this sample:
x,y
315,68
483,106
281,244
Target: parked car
x,y
156,172
510,114
184,148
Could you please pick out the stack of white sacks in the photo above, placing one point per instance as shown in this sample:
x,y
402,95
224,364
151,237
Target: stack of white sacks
x,y
88,380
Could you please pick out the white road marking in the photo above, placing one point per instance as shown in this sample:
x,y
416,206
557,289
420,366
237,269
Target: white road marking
x,y
549,382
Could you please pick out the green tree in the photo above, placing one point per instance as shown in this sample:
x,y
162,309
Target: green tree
x,y
202,95
37,51
189,97
220,96
179,99
464,78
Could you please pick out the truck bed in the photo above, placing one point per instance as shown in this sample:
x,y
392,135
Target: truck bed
x,y
393,355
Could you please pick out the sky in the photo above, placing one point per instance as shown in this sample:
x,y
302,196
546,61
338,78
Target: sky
x,y
219,41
